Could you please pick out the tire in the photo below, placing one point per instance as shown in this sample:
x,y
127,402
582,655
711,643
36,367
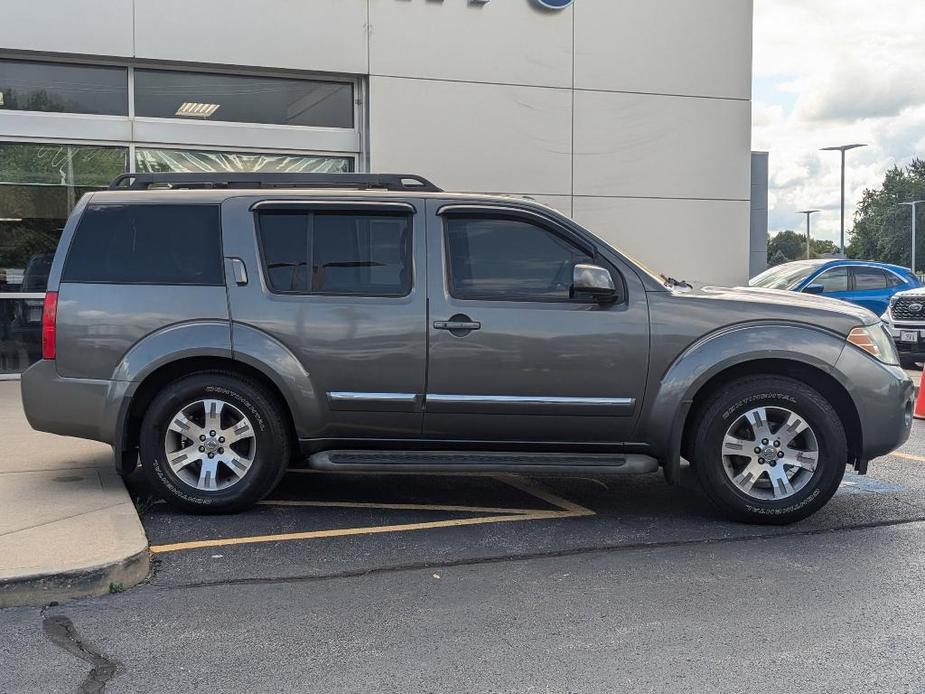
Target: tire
x,y
238,473
749,487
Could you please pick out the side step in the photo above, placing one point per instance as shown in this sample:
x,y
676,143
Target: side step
x,y
455,461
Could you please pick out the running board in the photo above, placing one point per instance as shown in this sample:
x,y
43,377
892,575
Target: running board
x,y
454,461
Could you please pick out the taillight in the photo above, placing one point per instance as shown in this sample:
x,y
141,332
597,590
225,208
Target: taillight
x,y
49,317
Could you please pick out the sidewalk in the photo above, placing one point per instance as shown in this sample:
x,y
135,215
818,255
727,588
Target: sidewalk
x,y
68,527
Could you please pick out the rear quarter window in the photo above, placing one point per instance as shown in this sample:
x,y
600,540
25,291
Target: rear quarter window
x,y
147,244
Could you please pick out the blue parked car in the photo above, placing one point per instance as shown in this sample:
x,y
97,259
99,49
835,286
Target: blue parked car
x,y
861,282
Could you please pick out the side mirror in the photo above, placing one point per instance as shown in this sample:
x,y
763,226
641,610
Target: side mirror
x,y
594,280
813,289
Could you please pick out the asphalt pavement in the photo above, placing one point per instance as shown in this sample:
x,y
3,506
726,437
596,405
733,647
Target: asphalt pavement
x,y
475,583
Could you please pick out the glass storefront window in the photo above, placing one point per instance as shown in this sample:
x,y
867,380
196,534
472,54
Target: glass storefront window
x,y
243,99
60,88
39,186
148,160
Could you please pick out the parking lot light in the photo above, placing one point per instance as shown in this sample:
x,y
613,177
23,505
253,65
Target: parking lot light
x,y
842,149
808,213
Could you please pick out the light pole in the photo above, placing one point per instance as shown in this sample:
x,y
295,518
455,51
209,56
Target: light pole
x,y
913,205
842,149
808,213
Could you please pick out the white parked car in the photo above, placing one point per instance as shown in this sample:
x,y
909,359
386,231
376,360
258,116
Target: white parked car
x,y
905,321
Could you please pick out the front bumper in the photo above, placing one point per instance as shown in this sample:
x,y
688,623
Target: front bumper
x,y
78,407
914,348
884,398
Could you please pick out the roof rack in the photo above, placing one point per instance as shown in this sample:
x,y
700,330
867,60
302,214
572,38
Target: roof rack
x,y
359,181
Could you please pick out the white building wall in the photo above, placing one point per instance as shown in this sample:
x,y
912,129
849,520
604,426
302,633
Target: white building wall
x,y
632,115
316,35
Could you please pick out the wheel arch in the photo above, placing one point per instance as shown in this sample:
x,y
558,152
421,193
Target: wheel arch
x,y
133,412
826,384
773,348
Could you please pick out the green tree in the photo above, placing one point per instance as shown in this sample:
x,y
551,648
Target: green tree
x,y
882,227
788,245
791,245
821,247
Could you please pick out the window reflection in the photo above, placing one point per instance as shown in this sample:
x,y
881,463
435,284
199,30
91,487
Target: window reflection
x,y
39,186
197,161
243,99
61,88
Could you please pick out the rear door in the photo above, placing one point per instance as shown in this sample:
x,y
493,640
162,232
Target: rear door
x,y
871,287
341,285
514,357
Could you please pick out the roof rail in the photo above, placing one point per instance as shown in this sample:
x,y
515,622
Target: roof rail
x,y
359,181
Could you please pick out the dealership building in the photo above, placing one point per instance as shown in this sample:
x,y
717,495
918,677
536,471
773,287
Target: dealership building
x,y
631,116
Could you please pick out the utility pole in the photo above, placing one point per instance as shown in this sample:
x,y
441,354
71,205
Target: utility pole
x,y
842,149
913,205
808,213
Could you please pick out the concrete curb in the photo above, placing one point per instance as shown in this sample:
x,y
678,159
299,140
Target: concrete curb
x,y
40,590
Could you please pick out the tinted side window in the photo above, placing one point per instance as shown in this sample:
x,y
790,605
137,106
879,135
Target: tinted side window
x,y
147,244
509,260
337,253
834,280
892,280
867,278
284,238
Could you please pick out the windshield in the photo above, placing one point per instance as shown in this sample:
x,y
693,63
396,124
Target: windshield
x,y
783,276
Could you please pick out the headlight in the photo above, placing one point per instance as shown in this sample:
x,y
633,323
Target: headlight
x,y
876,341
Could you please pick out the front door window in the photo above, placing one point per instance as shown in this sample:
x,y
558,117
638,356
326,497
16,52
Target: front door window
x,y
834,280
509,260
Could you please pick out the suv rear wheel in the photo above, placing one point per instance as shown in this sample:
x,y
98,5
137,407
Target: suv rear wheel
x,y
769,450
214,443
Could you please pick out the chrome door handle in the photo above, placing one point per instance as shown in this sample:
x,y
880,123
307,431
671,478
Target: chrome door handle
x,y
456,325
239,270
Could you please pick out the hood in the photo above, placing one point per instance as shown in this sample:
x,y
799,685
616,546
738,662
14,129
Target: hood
x,y
757,303
917,293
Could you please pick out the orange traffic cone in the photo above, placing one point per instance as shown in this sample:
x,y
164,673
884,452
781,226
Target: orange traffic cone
x,y
919,411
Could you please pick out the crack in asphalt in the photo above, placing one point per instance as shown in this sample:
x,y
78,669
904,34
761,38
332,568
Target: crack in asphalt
x,y
499,559
61,632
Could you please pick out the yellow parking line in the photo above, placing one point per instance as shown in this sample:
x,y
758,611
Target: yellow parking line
x,y
400,507
908,456
540,492
345,532
564,509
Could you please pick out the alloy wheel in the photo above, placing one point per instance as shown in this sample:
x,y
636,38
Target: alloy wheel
x,y
770,453
210,445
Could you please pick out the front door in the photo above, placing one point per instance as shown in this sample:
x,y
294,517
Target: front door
x,y
341,286
512,355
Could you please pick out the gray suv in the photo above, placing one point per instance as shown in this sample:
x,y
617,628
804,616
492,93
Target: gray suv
x,y
219,327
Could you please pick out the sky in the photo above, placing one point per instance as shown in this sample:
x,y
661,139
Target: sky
x,y
835,72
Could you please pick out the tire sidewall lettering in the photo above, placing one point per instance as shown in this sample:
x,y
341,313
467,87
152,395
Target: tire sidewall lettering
x,y
271,439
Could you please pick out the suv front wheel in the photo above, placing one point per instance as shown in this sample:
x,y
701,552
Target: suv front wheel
x,y
213,443
769,449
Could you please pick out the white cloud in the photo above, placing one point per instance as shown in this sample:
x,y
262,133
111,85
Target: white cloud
x,y
831,72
